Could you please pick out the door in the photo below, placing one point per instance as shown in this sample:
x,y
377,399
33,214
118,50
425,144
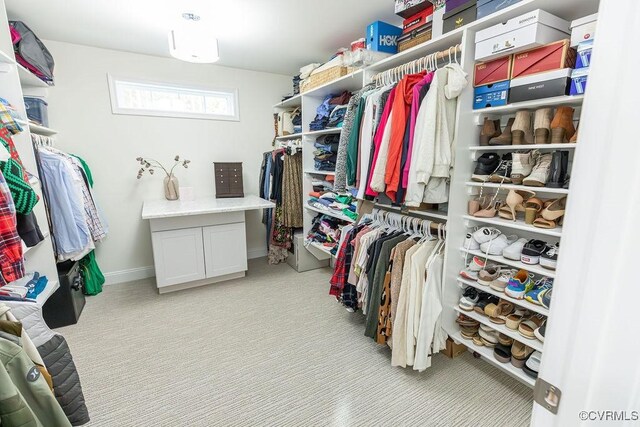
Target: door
x,y
225,249
178,256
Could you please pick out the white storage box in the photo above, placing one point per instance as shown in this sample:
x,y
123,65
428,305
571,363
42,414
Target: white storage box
x,y
300,259
524,32
583,29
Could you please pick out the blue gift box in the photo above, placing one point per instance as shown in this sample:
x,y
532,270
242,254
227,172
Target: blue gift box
x,y
487,7
383,37
491,95
579,81
583,59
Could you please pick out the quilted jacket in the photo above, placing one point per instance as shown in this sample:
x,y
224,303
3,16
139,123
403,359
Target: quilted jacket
x,y
57,358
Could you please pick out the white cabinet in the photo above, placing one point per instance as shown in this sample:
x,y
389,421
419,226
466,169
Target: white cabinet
x,y
225,249
178,256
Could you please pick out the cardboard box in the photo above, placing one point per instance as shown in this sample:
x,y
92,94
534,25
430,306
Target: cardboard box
x,y
383,37
417,20
522,33
579,81
407,8
489,72
552,56
487,7
454,350
459,16
583,29
491,95
538,86
583,59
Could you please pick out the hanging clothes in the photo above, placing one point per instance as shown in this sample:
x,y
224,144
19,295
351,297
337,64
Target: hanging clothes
x,y
292,191
11,261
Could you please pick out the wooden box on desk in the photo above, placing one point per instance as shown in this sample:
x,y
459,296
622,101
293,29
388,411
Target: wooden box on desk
x,y
228,177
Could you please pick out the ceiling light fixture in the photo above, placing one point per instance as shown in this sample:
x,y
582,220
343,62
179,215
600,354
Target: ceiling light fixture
x,y
192,41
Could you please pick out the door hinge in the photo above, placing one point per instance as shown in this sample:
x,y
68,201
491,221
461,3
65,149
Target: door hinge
x,y
547,395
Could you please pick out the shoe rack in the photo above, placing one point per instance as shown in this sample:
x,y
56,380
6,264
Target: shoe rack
x,y
463,189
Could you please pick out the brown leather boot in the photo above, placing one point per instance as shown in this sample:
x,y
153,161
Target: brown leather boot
x,y
562,129
490,129
574,138
505,138
521,131
542,125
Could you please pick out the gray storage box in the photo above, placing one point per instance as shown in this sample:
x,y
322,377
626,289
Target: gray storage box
x,y
542,85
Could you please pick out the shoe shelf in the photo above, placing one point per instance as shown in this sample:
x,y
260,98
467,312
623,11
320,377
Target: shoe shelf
x,y
544,190
332,214
292,136
544,147
487,354
329,131
556,101
516,225
523,303
536,268
315,172
533,343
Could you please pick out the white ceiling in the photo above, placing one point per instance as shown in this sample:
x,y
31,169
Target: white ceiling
x,y
276,36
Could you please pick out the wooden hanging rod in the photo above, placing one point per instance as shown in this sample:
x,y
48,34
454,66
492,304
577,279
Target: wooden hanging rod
x,y
434,222
428,62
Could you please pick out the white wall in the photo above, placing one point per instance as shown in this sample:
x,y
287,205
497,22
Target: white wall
x,y
79,108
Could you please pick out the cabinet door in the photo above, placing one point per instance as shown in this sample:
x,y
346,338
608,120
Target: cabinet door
x,y
178,256
225,249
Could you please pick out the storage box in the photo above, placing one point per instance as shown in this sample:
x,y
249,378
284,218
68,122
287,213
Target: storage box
x,y
407,8
454,350
492,95
489,72
583,59
459,16
37,110
487,7
228,180
414,38
453,4
64,307
383,37
583,29
438,21
579,81
522,33
538,86
552,56
417,20
300,259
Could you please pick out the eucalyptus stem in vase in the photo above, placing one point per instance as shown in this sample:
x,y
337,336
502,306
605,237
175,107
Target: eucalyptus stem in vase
x,y
171,185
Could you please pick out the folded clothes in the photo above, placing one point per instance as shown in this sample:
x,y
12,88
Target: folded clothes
x,y
29,286
330,148
324,165
351,214
341,99
337,116
315,194
324,202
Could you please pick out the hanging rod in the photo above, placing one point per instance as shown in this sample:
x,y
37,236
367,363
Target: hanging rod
x,y
428,62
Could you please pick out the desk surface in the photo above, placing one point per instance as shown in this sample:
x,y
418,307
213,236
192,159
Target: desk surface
x,y
154,209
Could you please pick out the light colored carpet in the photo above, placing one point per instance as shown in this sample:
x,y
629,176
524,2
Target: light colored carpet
x,y
270,349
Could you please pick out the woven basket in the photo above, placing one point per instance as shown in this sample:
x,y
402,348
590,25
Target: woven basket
x,y
324,77
408,44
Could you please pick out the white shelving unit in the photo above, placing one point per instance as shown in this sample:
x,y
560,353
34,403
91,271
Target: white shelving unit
x,y
519,302
330,213
492,186
515,225
27,78
572,101
536,269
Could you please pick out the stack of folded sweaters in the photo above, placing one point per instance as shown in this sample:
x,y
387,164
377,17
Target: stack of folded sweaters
x,y
324,110
325,153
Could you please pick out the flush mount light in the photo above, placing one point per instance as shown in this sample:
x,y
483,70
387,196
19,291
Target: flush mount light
x,y
192,41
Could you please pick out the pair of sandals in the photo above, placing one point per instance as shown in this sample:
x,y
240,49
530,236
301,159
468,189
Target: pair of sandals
x,y
524,323
516,352
542,214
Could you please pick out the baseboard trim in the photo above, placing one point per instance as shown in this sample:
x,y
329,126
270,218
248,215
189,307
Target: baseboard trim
x,y
257,253
130,275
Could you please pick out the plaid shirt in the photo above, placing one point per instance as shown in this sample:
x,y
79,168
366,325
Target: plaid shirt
x,y
11,262
340,270
7,119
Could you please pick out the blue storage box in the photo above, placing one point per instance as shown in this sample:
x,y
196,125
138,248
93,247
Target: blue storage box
x,y
579,81
383,37
487,7
37,110
584,54
492,95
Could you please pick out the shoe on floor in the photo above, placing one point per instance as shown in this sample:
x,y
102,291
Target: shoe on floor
x,y
532,250
485,234
486,165
498,245
533,296
549,258
519,285
514,250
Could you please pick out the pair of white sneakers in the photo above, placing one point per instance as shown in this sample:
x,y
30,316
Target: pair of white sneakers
x,y
491,241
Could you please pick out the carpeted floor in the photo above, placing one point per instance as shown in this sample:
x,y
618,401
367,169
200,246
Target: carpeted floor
x,y
272,349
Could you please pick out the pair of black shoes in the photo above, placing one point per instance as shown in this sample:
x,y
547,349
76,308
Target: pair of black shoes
x,y
492,167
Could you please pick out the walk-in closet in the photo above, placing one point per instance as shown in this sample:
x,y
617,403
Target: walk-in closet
x,y
267,213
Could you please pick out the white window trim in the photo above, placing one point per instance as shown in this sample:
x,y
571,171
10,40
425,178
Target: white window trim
x,y
115,109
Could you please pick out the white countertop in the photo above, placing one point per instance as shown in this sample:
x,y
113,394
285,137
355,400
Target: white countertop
x,y
206,205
